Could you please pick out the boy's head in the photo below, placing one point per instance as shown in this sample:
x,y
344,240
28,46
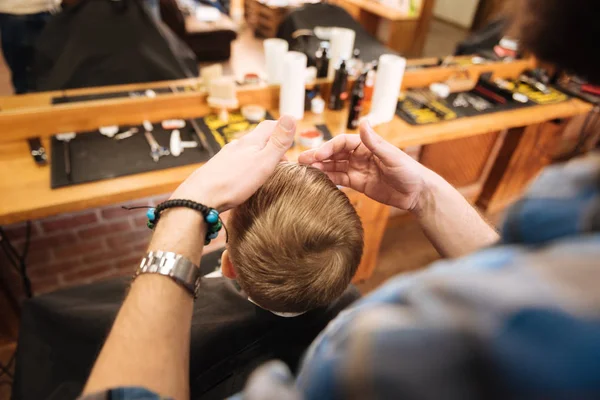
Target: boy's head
x,y
296,243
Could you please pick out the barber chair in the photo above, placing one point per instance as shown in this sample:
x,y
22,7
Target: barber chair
x,y
310,16
210,41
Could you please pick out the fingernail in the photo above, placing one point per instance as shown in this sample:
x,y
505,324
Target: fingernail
x,y
287,123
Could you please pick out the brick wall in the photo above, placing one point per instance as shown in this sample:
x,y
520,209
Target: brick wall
x,y
76,248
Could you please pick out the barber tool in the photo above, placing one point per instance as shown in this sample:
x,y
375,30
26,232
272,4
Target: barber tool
x,y
251,79
317,104
203,142
460,101
441,90
38,151
592,89
148,126
127,134
222,96
171,124
478,103
292,93
109,131
311,138
254,113
322,57
338,89
275,51
506,85
209,73
489,94
341,47
66,138
356,102
422,101
534,83
390,72
177,145
156,150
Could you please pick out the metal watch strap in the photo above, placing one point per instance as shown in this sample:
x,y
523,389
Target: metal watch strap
x,y
173,265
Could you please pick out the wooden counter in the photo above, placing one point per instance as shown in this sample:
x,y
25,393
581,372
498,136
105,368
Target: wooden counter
x,y
26,192
25,187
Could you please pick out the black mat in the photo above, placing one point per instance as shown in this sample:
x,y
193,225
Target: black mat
x,y
415,114
95,157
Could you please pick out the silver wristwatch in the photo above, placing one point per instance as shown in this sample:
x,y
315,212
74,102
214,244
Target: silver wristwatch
x,y
173,265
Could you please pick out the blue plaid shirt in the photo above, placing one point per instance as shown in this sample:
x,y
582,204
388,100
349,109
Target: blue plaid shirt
x,y
518,320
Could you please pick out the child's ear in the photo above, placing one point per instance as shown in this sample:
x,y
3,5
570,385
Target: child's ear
x,y
227,267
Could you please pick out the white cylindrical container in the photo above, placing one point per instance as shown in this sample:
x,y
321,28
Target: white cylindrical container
x,y
390,72
291,95
275,50
341,48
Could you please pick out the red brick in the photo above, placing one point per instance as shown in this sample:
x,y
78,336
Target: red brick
x,y
38,257
44,285
69,222
111,254
140,222
81,249
130,262
141,247
104,229
115,212
55,268
85,274
56,240
119,241
16,232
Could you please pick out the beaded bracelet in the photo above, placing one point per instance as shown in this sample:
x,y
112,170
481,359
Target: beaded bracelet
x,y
211,216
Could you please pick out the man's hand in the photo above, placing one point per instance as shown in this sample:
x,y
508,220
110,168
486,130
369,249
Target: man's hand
x,y
372,166
241,167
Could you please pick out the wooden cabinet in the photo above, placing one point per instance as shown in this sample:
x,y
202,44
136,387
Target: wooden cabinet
x,y
373,216
263,19
524,153
406,34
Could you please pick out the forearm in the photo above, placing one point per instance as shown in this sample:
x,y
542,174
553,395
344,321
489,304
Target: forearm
x,y
452,225
149,343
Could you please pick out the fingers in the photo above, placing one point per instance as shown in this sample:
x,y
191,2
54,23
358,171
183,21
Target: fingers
x,y
386,152
339,178
260,134
332,166
340,144
281,138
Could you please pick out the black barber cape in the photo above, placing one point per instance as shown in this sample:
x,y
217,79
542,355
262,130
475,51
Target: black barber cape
x,y
108,42
62,333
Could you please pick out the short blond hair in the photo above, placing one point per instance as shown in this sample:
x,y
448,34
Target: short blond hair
x,y
297,242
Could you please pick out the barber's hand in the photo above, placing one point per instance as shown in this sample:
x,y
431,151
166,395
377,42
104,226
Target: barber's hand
x,y
241,167
372,166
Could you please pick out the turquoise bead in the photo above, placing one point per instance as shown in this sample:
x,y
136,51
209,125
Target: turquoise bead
x,y
213,235
215,227
151,214
212,217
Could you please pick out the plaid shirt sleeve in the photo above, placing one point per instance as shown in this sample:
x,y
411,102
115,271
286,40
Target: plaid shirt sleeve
x,y
518,320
